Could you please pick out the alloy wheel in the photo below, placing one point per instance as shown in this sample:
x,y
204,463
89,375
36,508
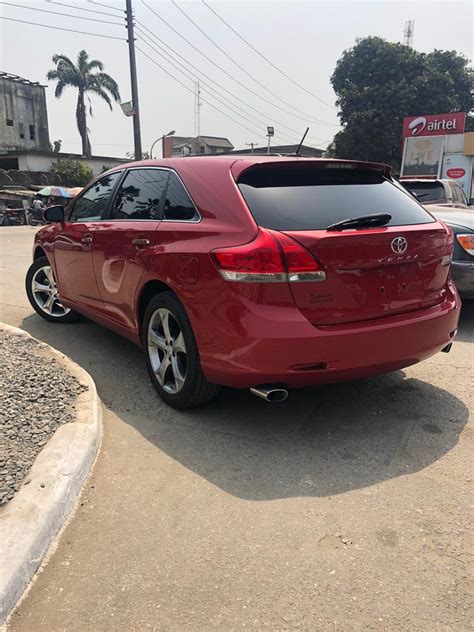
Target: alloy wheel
x,y
45,293
167,350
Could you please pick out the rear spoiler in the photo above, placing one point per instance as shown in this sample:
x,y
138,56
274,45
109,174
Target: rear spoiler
x,y
241,166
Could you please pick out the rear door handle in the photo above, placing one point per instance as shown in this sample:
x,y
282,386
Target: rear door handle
x,y
86,240
141,243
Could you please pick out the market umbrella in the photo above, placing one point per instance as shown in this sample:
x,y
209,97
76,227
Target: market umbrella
x,y
55,192
74,191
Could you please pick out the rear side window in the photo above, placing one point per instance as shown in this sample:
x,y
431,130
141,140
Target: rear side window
x,y
178,204
140,195
426,191
90,206
458,194
312,198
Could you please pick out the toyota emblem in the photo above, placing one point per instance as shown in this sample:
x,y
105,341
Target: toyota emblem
x,y
399,245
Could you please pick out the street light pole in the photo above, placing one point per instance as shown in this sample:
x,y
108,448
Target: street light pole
x,y
133,78
270,133
158,140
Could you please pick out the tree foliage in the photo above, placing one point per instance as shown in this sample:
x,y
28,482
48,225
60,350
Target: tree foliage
x,y
378,83
76,173
88,78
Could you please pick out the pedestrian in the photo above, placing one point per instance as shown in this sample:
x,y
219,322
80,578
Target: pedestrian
x,y
38,208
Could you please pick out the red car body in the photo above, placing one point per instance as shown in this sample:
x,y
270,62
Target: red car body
x,y
375,311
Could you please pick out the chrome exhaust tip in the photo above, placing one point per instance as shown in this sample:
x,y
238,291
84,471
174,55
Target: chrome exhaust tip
x,y
270,393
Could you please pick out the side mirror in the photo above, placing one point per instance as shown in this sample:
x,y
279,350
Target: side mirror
x,y
54,213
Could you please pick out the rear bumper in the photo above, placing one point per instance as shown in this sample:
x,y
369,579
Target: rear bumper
x,y
462,273
288,350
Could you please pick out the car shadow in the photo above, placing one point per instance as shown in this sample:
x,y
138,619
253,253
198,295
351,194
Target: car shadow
x,y
323,441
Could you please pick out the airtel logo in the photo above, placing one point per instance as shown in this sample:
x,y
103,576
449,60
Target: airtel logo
x,y
417,125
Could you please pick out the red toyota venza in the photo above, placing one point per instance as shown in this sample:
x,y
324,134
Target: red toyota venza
x,y
268,273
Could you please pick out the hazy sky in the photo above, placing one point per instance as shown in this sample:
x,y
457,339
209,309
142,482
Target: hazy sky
x,y
304,39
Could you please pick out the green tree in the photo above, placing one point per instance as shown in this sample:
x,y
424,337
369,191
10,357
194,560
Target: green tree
x,y
378,83
73,172
88,78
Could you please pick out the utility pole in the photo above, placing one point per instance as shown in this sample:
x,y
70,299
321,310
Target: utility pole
x,y
252,145
197,108
133,78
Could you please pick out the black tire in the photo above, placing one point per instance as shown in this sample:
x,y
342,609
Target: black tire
x,y
196,390
21,219
55,316
32,221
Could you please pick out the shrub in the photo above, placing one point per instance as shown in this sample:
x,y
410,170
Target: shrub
x,y
75,173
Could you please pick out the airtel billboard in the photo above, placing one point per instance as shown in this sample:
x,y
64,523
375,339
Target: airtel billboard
x,y
434,124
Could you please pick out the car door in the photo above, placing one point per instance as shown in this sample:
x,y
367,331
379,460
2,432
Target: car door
x,y
73,244
124,241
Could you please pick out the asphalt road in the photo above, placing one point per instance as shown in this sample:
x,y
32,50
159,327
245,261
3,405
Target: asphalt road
x,y
348,507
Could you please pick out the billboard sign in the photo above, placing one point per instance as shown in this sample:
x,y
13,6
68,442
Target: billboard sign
x,y
434,124
422,157
458,167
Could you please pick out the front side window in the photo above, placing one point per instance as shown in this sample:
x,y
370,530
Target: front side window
x,y
90,206
140,194
178,204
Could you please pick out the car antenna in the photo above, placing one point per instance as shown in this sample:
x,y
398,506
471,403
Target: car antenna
x,y
297,152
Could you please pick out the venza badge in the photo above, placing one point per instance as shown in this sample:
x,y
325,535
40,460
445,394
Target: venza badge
x,y
399,245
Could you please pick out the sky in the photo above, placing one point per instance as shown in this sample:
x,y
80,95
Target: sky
x,y
303,39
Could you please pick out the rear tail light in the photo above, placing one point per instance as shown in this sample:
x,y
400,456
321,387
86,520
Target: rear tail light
x,y
270,258
448,249
466,242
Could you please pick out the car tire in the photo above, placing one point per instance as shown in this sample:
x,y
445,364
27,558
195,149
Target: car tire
x,y
172,355
42,293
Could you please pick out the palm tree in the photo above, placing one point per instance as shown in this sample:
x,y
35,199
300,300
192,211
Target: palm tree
x,y
82,77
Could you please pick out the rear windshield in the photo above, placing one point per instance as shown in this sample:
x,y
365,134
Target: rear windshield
x,y
309,198
426,191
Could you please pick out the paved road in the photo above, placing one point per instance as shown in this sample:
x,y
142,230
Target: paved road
x,y
346,508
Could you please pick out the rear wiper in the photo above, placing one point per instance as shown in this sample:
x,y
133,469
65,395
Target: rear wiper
x,y
364,221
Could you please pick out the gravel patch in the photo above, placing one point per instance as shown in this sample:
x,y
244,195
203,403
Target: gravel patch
x,y
36,396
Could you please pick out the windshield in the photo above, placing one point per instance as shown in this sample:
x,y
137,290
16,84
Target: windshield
x,y
305,197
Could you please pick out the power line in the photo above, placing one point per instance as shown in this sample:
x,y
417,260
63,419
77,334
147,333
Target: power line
x,y
67,15
260,54
244,70
224,103
61,28
107,6
204,85
192,92
228,74
72,6
166,48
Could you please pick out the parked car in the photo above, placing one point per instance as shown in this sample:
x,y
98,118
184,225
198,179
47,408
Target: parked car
x,y
251,272
439,192
461,222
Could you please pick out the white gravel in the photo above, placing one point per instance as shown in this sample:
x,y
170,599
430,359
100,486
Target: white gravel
x,y
36,396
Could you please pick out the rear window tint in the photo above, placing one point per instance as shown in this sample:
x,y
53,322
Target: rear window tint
x,y
426,191
309,198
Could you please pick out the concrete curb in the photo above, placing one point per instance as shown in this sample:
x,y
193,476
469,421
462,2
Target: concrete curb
x,y
37,512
